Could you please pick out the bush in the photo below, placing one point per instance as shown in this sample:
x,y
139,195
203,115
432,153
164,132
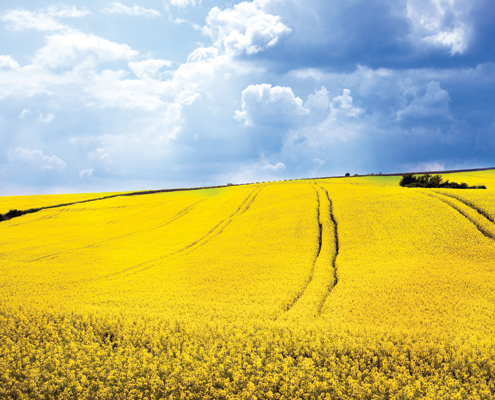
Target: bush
x,y
435,181
407,179
13,214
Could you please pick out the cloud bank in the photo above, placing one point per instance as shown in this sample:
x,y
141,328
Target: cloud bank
x,y
258,90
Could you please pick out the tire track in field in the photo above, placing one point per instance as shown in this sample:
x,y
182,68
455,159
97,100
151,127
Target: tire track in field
x,y
6,217
180,214
215,231
469,204
223,224
486,227
336,253
311,299
291,305
175,217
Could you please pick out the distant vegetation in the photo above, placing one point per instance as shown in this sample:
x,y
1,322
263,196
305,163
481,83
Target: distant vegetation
x,y
433,181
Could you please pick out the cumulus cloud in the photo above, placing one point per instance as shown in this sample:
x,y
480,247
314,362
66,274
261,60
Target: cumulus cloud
x,y
8,63
340,122
432,108
202,54
23,19
343,106
442,22
43,20
245,28
457,39
110,90
148,69
119,8
68,58
35,159
341,94
320,100
269,106
71,48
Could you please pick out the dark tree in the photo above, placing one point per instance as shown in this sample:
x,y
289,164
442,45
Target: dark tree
x,y
407,179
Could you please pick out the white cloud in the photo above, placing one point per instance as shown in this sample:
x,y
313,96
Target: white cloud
x,y
320,100
184,3
181,21
46,119
61,10
86,173
23,19
342,106
72,48
24,112
336,127
119,8
443,23
110,90
202,54
457,39
148,69
35,159
68,59
8,63
244,29
43,20
273,167
270,106
187,98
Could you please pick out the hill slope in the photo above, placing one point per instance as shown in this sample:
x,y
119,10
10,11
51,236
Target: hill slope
x,y
331,288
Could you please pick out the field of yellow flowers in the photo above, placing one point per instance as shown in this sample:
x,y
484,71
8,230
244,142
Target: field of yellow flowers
x,y
343,288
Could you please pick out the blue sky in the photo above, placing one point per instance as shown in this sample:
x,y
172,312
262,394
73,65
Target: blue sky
x,y
127,95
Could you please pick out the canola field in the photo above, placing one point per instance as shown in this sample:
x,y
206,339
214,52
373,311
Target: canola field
x,y
344,288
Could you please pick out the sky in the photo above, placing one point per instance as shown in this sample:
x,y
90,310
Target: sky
x,y
146,94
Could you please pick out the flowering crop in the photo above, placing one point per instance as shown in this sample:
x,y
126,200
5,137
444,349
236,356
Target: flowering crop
x,y
28,202
351,288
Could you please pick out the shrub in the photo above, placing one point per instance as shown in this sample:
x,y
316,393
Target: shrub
x,y
13,214
407,179
435,181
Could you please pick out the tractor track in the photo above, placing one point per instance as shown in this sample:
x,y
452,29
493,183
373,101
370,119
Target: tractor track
x,y
323,275
109,240
336,254
215,231
313,265
451,203
469,204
